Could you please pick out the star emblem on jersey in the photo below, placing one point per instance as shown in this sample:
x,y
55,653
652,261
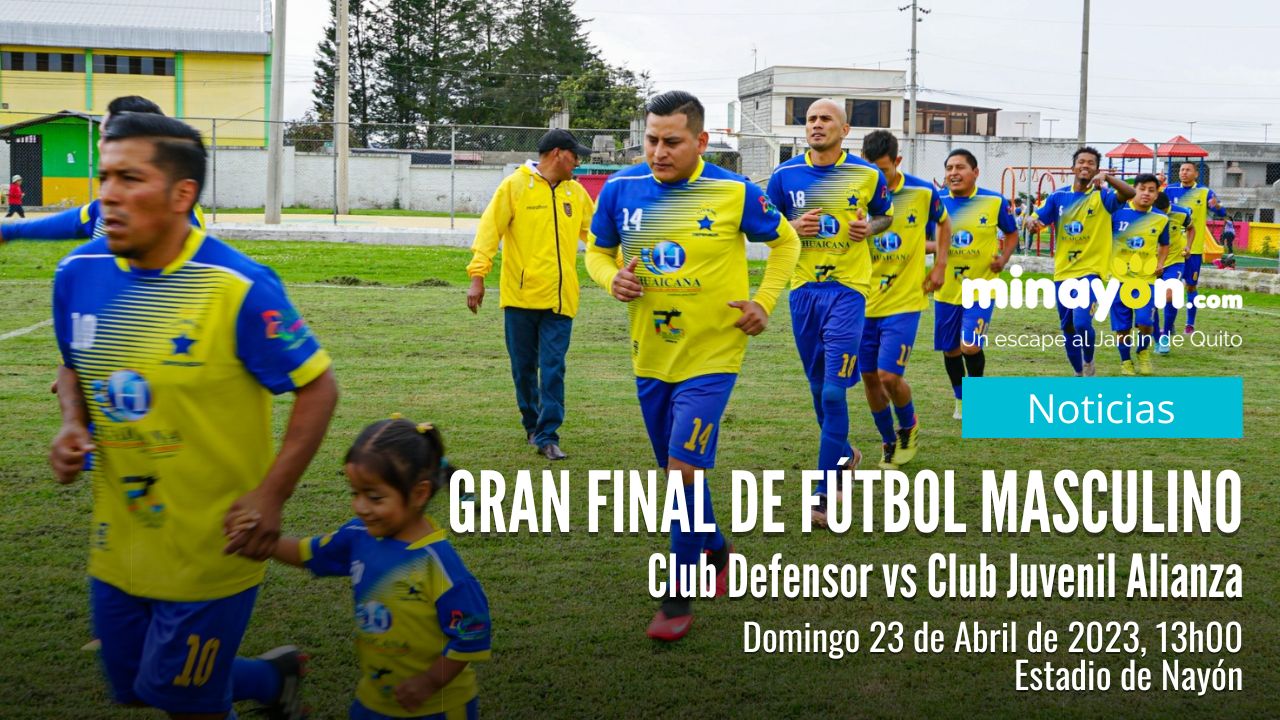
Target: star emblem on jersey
x,y
853,199
1089,213
911,219
182,344
982,220
705,223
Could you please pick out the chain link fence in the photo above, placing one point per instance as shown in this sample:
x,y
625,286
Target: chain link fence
x,y
452,170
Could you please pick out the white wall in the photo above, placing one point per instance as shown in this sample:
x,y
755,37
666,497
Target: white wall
x,y
374,181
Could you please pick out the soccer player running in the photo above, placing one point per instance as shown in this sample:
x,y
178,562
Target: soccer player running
x,y
983,236
827,194
899,292
680,225
1181,235
172,344
1083,244
1200,200
1139,249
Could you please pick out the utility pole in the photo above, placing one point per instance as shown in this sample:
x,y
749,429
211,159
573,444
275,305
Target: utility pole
x,y
1051,121
915,86
1191,130
1084,77
1265,127
341,109
275,150
1024,127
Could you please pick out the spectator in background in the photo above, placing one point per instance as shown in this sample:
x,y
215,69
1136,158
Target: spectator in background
x,y
15,197
1229,236
1019,217
539,214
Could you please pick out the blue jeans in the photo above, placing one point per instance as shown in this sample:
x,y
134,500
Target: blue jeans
x,y
537,341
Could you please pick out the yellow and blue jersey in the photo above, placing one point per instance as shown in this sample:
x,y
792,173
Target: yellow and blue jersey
x,y
82,222
1196,199
897,255
1138,237
842,190
979,221
1179,221
177,367
413,603
1083,242
693,263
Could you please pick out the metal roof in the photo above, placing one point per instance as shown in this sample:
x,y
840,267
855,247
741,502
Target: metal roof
x,y
7,131
230,26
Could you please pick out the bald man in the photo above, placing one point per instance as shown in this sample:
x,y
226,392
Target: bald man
x,y
835,201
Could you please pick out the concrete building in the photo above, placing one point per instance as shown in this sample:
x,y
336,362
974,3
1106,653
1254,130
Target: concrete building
x,y
773,102
1246,176
194,58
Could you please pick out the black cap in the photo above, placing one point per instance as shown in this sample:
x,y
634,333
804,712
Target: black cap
x,y
559,139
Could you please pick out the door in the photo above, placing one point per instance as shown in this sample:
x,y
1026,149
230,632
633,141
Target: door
x,y
25,160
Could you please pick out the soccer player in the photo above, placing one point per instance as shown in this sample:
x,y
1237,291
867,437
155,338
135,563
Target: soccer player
x,y
680,224
172,345
983,236
1138,255
899,292
86,221
1181,235
827,194
1200,200
1083,244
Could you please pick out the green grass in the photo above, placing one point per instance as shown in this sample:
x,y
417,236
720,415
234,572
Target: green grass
x,y
382,212
569,610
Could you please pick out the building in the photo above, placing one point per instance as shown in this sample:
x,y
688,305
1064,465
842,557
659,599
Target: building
x,y
1246,176
934,118
773,102
194,58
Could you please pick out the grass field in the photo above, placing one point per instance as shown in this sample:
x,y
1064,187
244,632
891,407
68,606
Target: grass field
x,y
569,610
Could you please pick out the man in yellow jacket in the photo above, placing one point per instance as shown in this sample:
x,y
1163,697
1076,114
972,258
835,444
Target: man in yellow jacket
x,y
539,213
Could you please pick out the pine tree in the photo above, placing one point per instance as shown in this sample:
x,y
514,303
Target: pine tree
x,y
362,55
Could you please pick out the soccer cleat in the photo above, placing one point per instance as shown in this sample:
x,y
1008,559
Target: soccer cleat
x,y
1188,329
1162,345
722,571
819,513
956,414
669,628
291,664
1143,362
887,452
908,444
1090,369
1126,367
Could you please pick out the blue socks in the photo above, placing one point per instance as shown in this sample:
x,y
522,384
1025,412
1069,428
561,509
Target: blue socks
x,y
834,419
1170,317
884,423
254,679
1144,341
1191,308
1125,346
1090,336
688,546
906,415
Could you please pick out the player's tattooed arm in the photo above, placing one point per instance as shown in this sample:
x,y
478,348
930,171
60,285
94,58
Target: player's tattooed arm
x,y
880,223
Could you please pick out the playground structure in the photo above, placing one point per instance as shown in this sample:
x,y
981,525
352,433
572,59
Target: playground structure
x,y
1126,161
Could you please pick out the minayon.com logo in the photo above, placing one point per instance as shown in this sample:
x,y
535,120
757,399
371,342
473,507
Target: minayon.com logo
x,y
1079,293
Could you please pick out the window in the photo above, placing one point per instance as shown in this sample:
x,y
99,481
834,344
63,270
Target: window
x,y
867,113
1273,172
1267,215
42,62
797,107
937,125
131,65
959,124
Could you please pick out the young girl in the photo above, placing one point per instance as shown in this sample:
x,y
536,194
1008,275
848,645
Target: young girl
x,y
421,618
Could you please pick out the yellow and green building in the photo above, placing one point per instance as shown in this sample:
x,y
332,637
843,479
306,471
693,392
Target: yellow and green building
x,y
199,60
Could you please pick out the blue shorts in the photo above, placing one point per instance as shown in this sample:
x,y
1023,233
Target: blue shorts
x,y
1069,318
827,320
954,323
1174,272
470,711
1123,317
683,419
175,656
887,341
1191,274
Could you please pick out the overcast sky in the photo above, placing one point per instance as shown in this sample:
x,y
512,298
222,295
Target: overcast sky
x,y
1153,67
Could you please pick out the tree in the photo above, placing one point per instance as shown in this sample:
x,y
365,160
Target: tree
x,y
362,59
602,96
547,46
